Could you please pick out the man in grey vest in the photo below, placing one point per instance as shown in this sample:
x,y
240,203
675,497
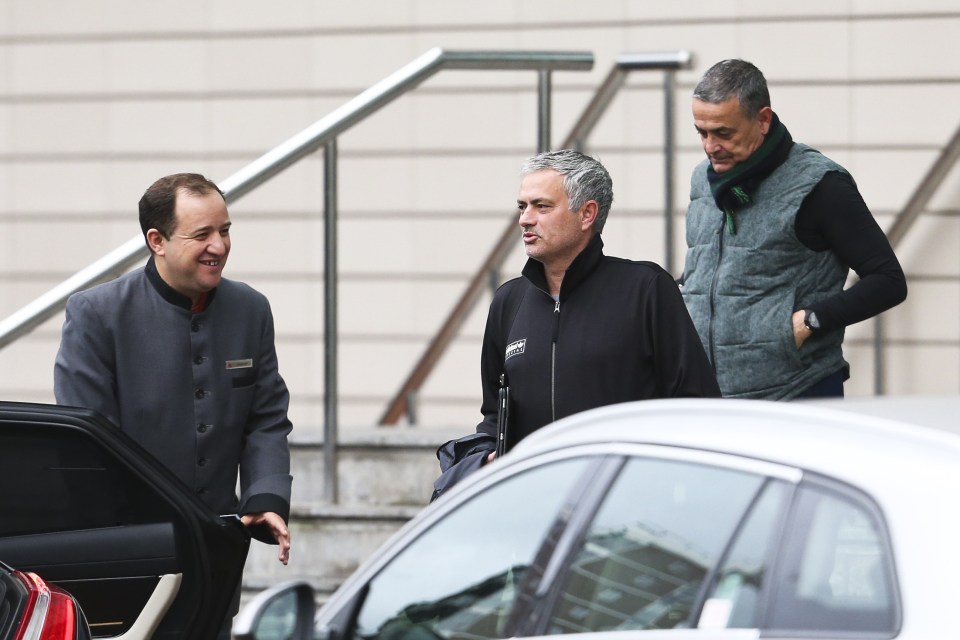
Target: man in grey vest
x,y
184,361
773,229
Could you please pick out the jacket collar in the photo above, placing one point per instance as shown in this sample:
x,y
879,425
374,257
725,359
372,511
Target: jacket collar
x,y
581,267
167,292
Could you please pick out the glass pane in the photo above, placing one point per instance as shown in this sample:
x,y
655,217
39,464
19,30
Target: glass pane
x,y
279,619
734,599
838,574
660,530
60,479
460,578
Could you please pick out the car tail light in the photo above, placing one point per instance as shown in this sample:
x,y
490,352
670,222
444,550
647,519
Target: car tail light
x,y
50,613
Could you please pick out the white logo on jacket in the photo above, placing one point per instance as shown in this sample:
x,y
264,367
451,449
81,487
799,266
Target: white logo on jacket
x,y
515,349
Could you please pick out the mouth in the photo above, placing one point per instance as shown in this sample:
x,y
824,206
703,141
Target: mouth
x,y
529,236
210,263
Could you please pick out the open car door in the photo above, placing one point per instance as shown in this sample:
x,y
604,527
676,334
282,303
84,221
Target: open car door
x,y
88,509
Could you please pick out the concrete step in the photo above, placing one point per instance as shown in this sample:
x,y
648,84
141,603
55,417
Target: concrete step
x,y
385,477
385,466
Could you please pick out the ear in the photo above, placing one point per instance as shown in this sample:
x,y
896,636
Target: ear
x,y
588,214
156,242
765,116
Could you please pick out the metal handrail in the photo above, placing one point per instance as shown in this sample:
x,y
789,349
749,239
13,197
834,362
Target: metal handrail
x,y
670,63
282,156
901,224
322,133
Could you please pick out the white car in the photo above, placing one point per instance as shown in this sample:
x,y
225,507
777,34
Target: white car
x,y
675,519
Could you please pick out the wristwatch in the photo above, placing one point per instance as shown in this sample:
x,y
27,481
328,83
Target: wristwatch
x,y
811,321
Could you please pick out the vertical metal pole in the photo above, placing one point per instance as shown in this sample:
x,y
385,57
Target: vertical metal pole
x,y
879,364
543,111
330,484
668,156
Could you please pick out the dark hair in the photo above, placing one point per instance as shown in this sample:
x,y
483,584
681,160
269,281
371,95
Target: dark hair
x,y
159,201
584,179
734,79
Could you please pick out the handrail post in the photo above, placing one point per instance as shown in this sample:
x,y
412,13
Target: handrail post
x,y
669,86
330,483
879,370
543,110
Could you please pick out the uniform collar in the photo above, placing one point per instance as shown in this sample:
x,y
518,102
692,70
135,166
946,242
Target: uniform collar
x,y
167,292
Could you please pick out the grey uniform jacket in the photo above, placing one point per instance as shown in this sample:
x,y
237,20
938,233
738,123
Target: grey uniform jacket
x,y
200,391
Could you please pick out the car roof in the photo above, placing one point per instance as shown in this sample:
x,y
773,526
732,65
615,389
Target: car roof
x,y
848,439
935,412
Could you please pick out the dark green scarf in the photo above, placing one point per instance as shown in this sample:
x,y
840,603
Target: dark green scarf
x,y
734,189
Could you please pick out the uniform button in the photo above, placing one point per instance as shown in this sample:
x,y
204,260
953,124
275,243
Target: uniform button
x,y
199,393
202,428
198,360
195,326
202,461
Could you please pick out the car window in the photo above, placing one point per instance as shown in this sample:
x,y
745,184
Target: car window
x,y
661,529
62,480
460,578
838,573
734,600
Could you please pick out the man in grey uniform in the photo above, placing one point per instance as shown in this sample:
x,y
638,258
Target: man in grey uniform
x,y
184,360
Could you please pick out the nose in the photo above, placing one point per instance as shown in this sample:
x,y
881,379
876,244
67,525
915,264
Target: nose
x,y
217,245
526,216
710,144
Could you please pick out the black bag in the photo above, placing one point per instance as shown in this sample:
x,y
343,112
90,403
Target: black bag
x,y
461,457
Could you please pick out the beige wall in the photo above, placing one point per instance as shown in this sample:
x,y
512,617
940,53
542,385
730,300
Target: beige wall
x,y
98,99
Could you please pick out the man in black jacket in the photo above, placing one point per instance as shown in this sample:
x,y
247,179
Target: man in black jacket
x,y
579,329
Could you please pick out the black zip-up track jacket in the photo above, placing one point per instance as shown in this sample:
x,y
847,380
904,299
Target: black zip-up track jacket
x,y
619,332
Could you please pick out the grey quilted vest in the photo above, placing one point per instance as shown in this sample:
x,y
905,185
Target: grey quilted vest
x,y
741,289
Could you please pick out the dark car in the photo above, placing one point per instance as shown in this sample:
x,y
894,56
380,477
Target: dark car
x,y
90,512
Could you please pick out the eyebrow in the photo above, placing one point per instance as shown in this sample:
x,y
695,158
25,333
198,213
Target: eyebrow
x,y
535,201
713,130
205,229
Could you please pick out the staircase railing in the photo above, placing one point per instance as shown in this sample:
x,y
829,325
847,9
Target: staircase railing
x,y
322,133
404,401
901,224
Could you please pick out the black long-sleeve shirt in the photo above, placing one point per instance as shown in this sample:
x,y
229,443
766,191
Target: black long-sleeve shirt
x,y
834,217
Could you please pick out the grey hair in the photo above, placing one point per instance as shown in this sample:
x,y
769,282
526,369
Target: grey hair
x,y
734,79
584,179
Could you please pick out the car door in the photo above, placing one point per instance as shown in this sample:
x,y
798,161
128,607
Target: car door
x,y
89,510
538,549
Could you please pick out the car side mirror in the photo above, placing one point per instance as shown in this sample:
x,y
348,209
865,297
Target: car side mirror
x,y
283,612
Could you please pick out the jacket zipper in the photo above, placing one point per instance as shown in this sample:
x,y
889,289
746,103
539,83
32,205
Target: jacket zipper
x,y
553,362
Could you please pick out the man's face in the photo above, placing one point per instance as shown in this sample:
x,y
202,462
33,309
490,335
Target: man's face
x,y
552,233
728,135
192,260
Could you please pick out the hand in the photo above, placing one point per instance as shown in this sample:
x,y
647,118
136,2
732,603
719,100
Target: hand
x,y
279,528
800,330
491,457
